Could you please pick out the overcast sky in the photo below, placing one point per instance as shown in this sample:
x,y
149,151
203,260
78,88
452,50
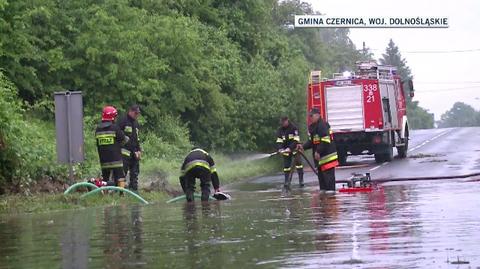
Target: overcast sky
x,y
434,73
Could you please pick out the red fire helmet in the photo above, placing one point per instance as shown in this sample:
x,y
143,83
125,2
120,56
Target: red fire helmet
x,y
109,113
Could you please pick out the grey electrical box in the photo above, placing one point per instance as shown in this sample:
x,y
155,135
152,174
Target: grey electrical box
x,y
69,127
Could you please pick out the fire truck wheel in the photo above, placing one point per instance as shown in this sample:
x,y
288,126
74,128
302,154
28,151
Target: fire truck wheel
x,y
386,156
379,158
402,150
389,154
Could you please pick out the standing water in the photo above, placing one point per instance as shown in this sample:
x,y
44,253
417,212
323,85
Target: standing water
x,y
402,225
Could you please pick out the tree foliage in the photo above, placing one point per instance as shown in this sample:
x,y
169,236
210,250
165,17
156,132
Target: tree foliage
x,y
418,117
460,115
214,73
225,69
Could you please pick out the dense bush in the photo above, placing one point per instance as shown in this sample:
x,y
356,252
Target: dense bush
x,y
27,148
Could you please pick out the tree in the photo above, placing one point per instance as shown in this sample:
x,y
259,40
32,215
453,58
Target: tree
x,y
418,117
460,115
217,67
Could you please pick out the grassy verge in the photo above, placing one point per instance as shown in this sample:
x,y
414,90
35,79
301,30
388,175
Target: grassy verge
x,y
12,204
152,170
229,169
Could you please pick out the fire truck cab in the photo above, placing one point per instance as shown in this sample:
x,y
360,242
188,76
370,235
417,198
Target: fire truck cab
x,y
366,110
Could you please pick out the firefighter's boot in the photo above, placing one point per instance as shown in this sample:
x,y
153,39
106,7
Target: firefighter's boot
x,y
121,184
286,184
189,195
300,178
205,186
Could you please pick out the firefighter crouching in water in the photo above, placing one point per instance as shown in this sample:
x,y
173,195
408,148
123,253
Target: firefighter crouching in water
x,y
287,141
323,149
110,140
131,151
199,164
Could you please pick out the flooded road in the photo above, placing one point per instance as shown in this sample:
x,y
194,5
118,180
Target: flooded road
x,y
419,224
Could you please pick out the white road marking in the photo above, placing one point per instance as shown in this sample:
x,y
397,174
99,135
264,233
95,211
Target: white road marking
x,y
428,141
378,166
415,148
375,168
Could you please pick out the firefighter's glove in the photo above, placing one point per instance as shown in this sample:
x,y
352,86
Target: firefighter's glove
x,y
300,148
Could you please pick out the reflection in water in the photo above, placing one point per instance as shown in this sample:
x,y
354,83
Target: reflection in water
x,y
123,232
324,212
137,234
405,225
75,241
377,210
191,233
203,233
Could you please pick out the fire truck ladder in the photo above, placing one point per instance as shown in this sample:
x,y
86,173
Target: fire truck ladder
x,y
315,77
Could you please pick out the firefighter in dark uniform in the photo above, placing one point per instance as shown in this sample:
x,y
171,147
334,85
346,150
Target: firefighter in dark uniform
x,y
110,140
131,151
323,149
199,164
287,140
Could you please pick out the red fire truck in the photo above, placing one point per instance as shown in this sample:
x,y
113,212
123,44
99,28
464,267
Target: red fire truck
x,y
366,110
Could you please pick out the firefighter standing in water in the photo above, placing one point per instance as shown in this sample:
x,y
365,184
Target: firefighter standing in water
x,y
131,151
199,164
110,140
287,140
323,149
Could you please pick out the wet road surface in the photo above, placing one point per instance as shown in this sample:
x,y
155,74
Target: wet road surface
x,y
436,152
420,224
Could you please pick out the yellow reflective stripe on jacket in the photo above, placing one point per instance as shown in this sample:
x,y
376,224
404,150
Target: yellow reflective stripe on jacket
x,y
296,138
279,140
206,153
328,158
126,152
116,164
128,129
326,139
105,135
105,138
189,166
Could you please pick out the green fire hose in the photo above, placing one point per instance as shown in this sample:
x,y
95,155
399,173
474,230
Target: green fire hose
x,y
79,185
97,190
138,197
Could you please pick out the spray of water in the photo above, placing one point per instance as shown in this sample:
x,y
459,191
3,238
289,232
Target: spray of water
x,y
259,156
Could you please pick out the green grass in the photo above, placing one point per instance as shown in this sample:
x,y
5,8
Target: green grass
x,y
233,170
229,170
12,204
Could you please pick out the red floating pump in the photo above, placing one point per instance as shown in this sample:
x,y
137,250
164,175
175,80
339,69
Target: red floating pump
x,y
356,189
358,183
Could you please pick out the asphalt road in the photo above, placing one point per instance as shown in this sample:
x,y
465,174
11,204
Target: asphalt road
x,y
432,153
